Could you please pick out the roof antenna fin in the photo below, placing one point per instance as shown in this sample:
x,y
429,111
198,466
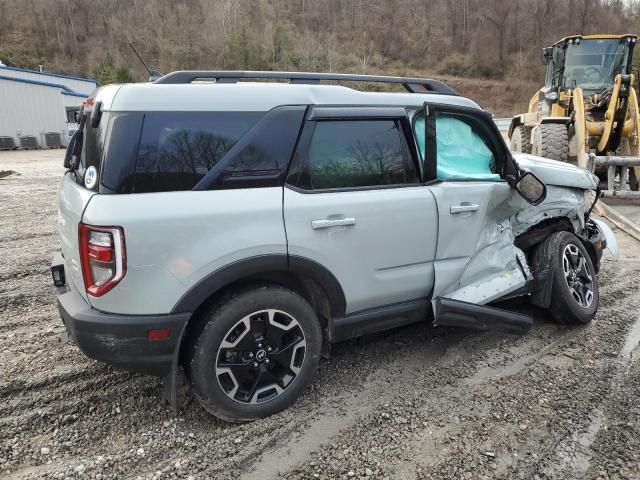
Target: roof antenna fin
x,y
153,74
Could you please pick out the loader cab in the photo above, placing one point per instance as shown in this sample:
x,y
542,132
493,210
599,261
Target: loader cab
x,y
590,62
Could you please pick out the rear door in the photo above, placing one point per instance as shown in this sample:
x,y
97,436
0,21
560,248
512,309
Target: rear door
x,y
354,203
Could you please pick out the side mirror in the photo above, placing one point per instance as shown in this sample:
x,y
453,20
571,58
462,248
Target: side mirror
x,y
531,188
547,55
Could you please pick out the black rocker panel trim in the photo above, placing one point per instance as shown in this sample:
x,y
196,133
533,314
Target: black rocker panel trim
x,y
378,319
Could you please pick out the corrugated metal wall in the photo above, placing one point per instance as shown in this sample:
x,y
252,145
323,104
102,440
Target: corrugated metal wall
x,y
27,109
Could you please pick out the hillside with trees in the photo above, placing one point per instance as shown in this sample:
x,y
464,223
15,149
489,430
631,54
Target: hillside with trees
x,y
496,40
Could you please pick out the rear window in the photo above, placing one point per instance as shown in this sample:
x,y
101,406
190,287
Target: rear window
x,y
177,149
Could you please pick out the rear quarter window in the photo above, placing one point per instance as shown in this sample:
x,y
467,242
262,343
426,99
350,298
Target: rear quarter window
x,y
93,145
177,149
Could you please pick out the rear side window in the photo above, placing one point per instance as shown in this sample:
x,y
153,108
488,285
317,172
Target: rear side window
x,y
177,149
92,148
359,153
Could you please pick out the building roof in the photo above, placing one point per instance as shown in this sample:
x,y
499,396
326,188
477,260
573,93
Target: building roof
x,y
48,74
64,90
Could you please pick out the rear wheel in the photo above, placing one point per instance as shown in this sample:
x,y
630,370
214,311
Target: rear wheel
x,y
258,351
574,293
552,141
520,140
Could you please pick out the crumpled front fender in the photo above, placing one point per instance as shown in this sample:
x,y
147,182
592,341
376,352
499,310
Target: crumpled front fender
x,y
612,243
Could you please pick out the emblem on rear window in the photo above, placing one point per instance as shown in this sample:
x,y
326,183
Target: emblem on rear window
x,y
90,177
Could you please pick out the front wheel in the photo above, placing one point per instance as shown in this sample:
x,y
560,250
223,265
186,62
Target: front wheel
x,y
574,294
258,351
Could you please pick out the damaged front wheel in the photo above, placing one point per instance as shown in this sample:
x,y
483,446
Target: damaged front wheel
x,y
574,294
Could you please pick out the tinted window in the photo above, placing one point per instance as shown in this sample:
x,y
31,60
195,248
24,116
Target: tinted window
x,y
262,156
178,148
91,145
359,153
118,166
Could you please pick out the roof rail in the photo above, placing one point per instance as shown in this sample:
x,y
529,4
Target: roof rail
x,y
413,85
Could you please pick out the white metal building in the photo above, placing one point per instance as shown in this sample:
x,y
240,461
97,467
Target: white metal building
x,y
37,109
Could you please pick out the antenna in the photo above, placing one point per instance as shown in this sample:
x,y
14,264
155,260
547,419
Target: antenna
x,y
153,74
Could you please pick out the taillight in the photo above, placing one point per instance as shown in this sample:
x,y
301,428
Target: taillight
x,y
103,258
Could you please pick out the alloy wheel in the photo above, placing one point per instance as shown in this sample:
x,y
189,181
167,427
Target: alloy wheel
x,y
577,275
260,356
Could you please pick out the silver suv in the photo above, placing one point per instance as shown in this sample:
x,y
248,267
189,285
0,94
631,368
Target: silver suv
x,y
235,228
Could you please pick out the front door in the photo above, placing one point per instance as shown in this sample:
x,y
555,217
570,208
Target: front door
x,y
466,158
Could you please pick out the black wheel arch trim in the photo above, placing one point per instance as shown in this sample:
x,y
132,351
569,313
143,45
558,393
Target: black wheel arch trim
x,y
263,264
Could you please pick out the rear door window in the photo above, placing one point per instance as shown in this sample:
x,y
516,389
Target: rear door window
x,y
359,153
177,149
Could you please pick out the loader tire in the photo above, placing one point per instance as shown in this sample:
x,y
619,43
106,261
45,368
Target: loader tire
x,y
520,141
633,180
552,142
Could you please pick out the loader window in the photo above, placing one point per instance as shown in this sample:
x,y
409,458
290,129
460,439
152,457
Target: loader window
x,y
593,64
462,152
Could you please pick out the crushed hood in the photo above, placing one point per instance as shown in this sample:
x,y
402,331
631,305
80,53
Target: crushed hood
x,y
553,172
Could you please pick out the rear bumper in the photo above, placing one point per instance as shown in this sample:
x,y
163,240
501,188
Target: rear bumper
x,y
121,340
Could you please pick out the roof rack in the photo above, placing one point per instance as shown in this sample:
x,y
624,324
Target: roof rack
x,y
413,85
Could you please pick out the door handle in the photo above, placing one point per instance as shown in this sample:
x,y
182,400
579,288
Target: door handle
x,y
464,207
332,222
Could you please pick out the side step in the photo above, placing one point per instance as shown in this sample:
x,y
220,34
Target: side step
x,y
455,313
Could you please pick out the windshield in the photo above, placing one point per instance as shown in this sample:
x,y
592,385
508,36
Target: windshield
x,y
593,64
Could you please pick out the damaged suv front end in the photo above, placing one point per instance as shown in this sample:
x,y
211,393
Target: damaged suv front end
x,y
538,241
572,193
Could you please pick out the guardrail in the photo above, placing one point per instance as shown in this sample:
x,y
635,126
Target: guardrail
x,y
503,124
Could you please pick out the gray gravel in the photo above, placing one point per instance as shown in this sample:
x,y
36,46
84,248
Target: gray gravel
x,y
417,402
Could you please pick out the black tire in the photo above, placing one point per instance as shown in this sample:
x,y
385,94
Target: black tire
x,y
552,141
520,140
213,365
565,305
633,180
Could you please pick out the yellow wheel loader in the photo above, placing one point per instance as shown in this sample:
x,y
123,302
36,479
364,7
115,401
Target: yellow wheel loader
x,y
587,111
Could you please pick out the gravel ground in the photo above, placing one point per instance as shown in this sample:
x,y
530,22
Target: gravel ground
x,y
417,402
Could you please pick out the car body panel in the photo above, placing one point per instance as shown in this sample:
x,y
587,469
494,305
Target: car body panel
x,y
72,200
262,96
554,172
483,239
386,257
174,239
